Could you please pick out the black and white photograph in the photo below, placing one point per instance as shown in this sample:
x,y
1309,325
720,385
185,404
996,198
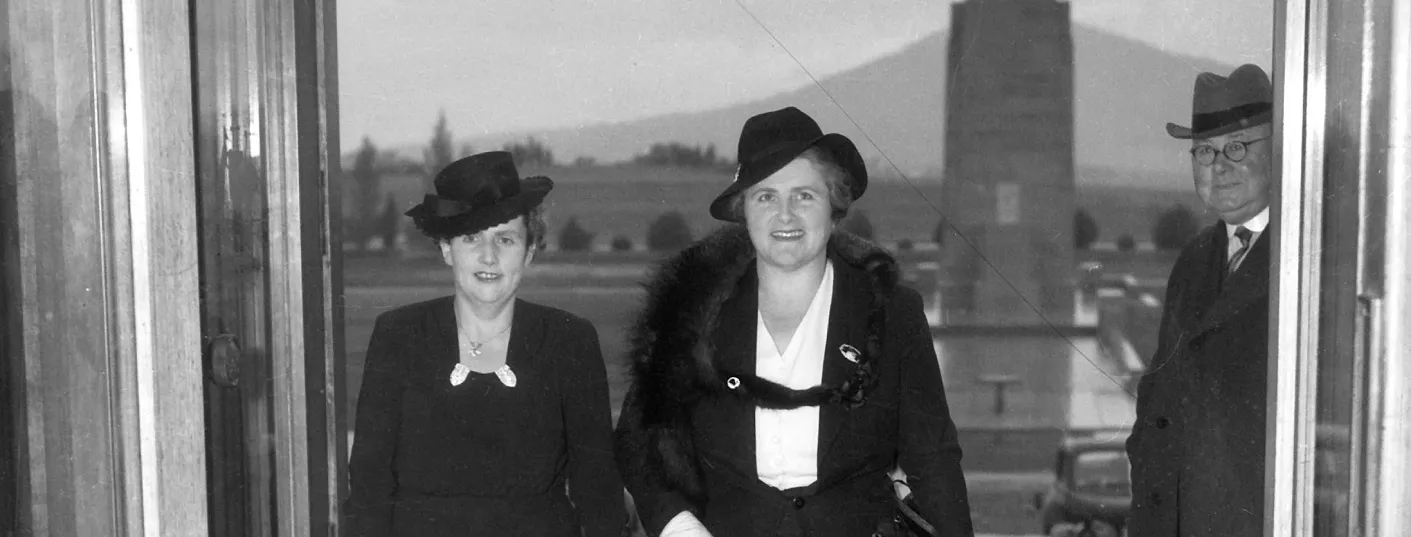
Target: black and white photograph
x,y
705,268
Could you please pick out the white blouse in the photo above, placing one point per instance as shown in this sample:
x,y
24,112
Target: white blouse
x,y
786,441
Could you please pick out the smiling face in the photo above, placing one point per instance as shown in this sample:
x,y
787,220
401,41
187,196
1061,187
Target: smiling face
x,y
789,217
1236,190
488,265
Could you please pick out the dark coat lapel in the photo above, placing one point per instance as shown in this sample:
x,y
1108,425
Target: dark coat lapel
x,y
1203,276
528,330
1248,284
735,351
442,341
847,324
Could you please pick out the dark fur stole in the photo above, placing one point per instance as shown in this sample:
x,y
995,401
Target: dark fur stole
x,y
672,351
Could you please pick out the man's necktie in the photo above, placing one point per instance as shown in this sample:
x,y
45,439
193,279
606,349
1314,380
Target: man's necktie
x,y
1242,234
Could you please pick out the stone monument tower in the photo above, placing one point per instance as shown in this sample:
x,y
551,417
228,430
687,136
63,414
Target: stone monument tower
x,y
1009,190
1008,184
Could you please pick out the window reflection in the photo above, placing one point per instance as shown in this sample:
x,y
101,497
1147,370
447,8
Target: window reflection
x,y
1041,230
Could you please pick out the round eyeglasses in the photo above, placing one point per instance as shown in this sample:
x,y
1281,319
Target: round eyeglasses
x,y
1235,151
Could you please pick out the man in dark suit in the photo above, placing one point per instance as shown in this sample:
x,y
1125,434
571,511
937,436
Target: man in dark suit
x,y
1197,447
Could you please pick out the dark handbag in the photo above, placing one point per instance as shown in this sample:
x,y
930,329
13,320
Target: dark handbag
x,y
906,522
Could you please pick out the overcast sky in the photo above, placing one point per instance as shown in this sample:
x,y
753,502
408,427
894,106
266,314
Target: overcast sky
x,y
507,65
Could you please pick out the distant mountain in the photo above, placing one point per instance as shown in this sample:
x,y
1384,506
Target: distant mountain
x,y
1126,92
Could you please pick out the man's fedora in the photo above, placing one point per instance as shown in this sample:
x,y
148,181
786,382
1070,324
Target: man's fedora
x,y
772,140
1223,105
477,192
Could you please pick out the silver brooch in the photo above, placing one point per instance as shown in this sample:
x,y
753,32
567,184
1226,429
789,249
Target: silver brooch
x,y
732,382
850,352
504,373
506,376
458,374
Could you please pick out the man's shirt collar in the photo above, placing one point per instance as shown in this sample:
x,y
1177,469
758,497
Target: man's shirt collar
x,y
1256,224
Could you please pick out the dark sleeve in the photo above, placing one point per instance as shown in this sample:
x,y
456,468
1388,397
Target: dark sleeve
x,y
656,503
593,482
929,449
370,469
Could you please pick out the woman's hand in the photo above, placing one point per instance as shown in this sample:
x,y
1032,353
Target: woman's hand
x,y
685,524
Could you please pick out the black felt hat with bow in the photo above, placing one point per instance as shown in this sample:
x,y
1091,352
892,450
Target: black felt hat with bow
x,y
476,193
772,140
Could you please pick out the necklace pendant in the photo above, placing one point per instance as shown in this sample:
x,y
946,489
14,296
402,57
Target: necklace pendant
x,y
475,349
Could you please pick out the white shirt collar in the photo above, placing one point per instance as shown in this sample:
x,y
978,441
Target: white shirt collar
x,y
1256,224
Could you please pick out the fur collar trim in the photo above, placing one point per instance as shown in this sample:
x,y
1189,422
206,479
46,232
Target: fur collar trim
x,y
672,351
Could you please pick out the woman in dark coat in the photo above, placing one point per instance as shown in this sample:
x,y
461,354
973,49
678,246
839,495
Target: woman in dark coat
x,y
781,371
483,414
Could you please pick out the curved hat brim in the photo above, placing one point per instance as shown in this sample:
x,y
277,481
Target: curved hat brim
x,y
750,174
455,218
1185,133
1178,131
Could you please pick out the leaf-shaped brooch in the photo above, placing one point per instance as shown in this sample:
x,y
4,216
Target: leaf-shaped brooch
x,y
504,373
458,374
507,376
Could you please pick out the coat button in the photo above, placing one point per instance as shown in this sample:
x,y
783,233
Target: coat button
x,y
1163,422
1155,499
798,503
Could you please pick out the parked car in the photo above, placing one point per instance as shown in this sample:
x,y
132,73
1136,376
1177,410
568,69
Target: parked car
x,y
1091,494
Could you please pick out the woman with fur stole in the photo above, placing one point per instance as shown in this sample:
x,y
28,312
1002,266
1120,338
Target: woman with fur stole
x,y
781,372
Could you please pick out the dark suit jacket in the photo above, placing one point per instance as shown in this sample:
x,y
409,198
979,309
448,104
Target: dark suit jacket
x,y
1197,448
905,420
482,458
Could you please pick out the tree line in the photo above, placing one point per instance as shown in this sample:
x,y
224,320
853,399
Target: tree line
x,y
1171,229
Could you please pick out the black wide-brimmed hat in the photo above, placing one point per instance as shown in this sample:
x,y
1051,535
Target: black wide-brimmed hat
x,y
1222,105
772,140
476,193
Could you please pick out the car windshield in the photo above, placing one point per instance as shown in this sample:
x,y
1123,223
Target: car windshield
x,y
1102,472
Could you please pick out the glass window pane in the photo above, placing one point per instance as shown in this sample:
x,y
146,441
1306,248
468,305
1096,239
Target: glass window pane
x,y
60,429
1020,173
1352,260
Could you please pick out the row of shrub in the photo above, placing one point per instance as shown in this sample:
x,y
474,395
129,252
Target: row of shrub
x,y
1172,229
671,231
